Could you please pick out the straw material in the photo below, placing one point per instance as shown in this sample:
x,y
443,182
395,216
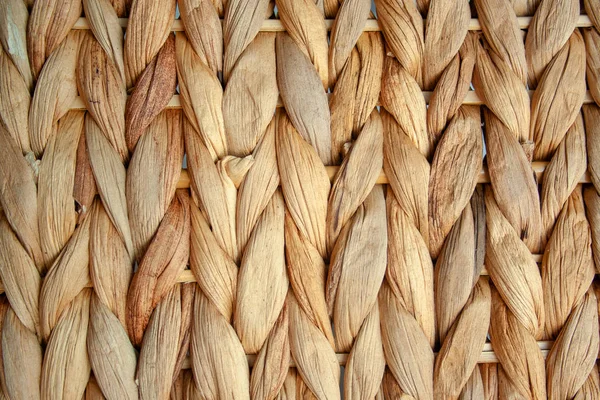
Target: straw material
x,y
379,200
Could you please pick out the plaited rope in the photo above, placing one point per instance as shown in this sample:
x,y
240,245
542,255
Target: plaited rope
x,y
304,147
103,86
238,220
355,224
159,311
38,234
413,136
549,125
513,206
591,116
570,314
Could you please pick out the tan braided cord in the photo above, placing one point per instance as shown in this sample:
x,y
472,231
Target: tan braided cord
x,y
299,199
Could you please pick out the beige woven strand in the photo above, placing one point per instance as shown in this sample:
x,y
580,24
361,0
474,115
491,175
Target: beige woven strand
x,y
66,358
450,186
159,309
205,142
591,114
100,83
567,266
261,317
513,205
451,183
64,303
406,298
55,193
20,276
356,210
104,91
304,147
462,306
21,259
463,309
242,205
500,78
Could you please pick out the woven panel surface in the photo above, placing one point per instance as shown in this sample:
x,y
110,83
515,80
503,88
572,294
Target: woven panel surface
x,y
299,199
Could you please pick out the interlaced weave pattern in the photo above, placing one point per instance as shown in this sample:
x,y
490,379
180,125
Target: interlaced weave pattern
x,y
299,199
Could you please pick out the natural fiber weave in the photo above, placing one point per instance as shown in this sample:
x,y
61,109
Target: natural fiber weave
x,y
395,199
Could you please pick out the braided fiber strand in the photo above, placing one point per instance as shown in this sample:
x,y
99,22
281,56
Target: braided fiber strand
x,y
304,147
21,320
463,309
103,86
158,309
49,236
591,114
64,304
513,206
406,299
21,259
356,209
242,213
261,314
567,266
462,306
434,133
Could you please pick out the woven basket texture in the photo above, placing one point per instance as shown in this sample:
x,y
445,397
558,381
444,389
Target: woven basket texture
x,y
299,199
